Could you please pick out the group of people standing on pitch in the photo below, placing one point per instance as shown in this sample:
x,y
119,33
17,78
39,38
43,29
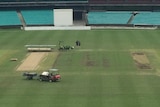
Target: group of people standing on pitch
x,y
78,43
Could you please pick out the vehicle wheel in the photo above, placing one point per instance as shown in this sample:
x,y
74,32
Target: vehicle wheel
x,y
50,80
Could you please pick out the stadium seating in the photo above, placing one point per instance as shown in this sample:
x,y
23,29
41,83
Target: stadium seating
x,y
9,18
147,18
38,17
123,1
139,1
156,1
37,0
142,18
97,1
108,17
116,1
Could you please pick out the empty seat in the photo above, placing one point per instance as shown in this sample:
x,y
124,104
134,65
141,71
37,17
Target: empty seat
x,y
108,17
139,1
147,18
116,1
37,0
155,1
38,17
97,1
9,18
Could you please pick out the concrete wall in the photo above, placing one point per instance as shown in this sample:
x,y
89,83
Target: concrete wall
x,y
63,17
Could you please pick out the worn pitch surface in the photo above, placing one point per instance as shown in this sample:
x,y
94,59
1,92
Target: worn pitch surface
x,y
32,61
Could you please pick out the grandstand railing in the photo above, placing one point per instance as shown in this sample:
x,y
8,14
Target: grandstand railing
x,y
41,0
42,3
56,3
123,1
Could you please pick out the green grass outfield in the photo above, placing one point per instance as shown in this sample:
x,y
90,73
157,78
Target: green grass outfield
x,y
100,73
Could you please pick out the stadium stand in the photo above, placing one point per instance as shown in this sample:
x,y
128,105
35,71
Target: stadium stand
x,y
108,17
97,1
116,1
9,18
37,0
124,1
147,18
89,12
156,1
139,1
38,17
113,17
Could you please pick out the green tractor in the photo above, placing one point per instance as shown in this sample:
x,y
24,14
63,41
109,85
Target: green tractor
x,y
64,47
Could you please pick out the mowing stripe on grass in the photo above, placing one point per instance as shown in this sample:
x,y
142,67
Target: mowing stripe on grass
x,y
113,81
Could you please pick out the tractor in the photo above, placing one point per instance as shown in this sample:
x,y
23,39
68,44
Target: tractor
x,y
64,47
52,75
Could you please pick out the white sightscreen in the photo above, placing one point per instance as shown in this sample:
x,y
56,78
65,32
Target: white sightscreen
x,y
63,17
